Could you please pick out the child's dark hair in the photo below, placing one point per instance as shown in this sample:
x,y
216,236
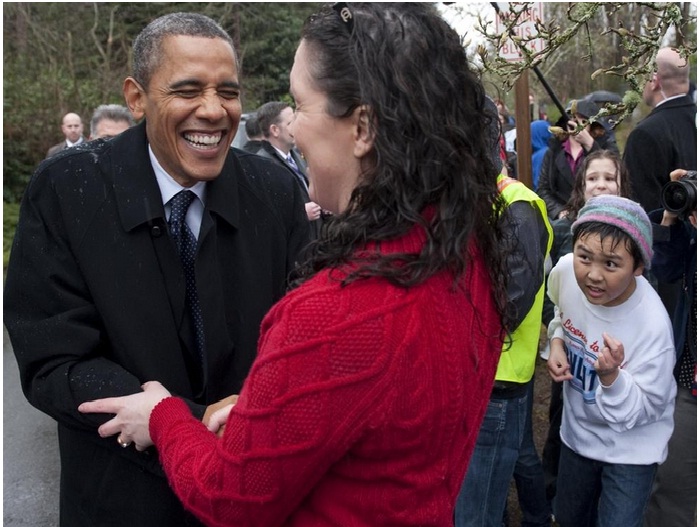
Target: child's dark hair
x,y
617,235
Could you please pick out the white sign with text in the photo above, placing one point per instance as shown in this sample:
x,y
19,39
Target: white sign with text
x,y
525,28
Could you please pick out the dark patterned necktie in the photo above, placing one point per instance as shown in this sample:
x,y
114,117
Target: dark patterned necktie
x,y
295,168
187,247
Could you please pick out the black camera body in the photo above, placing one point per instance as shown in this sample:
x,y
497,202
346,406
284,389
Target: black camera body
x,y
680,197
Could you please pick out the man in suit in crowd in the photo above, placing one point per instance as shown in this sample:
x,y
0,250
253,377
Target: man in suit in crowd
x,y
274,118
109,120
255,137
116,279
662,142
72,128
667,138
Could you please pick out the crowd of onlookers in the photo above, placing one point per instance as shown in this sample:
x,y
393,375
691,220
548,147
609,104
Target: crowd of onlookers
x,y
592,448
339,323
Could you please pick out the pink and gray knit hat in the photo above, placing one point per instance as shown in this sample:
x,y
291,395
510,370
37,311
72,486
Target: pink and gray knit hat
x,y
623,213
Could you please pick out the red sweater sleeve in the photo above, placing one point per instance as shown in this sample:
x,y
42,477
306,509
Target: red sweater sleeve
x,y
322,375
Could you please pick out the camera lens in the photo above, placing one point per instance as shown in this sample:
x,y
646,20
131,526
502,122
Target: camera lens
x,y
680,197
675,197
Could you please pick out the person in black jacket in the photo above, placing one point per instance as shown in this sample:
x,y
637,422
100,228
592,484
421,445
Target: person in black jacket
x,y
278,144
667,138
96,301
254,133
662,142
673,502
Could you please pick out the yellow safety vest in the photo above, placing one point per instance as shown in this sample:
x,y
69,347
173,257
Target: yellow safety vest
x,y
518,359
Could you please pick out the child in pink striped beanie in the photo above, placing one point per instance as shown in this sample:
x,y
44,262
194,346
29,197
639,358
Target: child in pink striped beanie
x,y
612,348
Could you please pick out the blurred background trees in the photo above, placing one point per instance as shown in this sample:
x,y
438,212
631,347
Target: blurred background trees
x,y
72,57
61,57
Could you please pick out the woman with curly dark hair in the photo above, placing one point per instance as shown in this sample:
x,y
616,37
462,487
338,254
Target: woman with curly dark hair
x,y
373,375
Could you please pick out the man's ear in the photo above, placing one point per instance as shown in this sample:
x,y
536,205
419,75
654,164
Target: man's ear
x,y
135,96
639,270
363,131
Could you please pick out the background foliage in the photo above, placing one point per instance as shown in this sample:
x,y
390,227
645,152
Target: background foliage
x,y
72,57
61,57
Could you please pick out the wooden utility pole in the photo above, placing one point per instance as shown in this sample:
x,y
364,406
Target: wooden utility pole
x,y
524,25
523,117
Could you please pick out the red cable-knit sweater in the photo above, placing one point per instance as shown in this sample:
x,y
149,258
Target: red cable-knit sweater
x,y
361,409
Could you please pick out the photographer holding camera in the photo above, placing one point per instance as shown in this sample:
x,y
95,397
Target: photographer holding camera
x,y
667,138
673,502
664,140
571,142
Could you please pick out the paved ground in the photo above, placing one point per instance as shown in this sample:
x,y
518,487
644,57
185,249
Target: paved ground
x,y
30,452
30,455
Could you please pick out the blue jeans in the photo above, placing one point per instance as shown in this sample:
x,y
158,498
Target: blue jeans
x,y
597,494
529,476
552,447
483,495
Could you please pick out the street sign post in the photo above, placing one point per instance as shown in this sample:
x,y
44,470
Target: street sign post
x,y
524,28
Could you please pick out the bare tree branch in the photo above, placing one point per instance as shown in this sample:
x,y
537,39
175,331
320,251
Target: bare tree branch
x,y
638,45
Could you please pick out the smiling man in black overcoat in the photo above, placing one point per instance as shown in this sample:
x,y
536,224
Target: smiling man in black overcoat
x,y
96,300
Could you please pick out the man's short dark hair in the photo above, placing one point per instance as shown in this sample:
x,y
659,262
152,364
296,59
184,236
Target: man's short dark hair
x,y
252,127
268,114
147,48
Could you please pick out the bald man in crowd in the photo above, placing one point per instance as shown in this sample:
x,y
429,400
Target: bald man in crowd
x,y
662,142
667,138
72,128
